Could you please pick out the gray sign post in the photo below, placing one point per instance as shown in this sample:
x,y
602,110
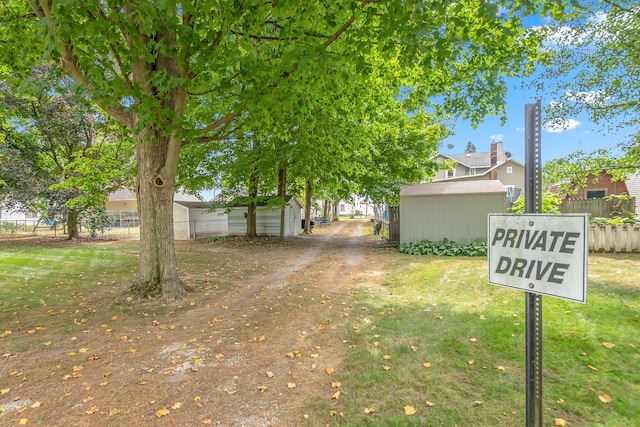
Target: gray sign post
x,y
533,204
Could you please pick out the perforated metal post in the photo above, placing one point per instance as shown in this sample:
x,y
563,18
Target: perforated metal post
x,y
533,204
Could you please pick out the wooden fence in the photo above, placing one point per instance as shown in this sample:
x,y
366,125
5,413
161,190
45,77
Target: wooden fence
x,y
614,238
597,207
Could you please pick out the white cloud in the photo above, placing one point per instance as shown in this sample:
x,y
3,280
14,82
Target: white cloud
x,y
561,125
592,97
519,129
497,137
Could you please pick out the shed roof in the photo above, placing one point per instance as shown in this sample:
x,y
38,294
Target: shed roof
x,y
453,188
193,205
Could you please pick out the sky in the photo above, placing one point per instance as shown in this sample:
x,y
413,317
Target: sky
x,y
579,134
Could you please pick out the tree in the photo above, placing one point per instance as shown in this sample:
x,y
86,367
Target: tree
x,y
149,63
63,157
470,148
595,67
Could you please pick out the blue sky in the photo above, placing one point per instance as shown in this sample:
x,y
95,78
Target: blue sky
x,y
580,134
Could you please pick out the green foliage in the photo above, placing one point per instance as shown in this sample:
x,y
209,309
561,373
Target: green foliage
x,y
443,248
550,203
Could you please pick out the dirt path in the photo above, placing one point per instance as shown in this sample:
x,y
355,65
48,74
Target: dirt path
x,y
250,348
289,323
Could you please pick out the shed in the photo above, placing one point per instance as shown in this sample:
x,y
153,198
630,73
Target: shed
x,y
456,211
194,220
268,219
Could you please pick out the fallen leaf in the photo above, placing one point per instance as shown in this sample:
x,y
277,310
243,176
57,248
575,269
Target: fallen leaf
x,y
114,411
409,410
336,384
593,368
481,317
5,390
162,412
92,410
269,374
177,405
473,339
501,368
329,371
471,362
560,400
83,350
336,395
430,404
23,421
605,398
559,422
426,364
386,368
608,345
262,388
386,357
369,410
291,385
36,405
477,402
207,421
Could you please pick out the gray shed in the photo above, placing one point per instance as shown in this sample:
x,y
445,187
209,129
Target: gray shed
x,y
268,219
456,211
193,220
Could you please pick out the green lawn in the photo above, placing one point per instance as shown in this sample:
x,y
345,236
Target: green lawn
x,y
436,332
432,336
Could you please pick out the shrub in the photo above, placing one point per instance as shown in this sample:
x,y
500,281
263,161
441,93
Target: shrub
x,y
444,248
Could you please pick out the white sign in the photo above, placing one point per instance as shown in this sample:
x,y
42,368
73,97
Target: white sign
x,y
540,253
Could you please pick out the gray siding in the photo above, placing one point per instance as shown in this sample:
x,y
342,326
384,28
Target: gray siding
x,y
267,221
461,218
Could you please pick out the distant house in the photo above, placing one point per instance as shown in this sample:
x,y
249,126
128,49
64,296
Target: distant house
x,y
356,206
18,217
496,164
268,219
453,210
597,187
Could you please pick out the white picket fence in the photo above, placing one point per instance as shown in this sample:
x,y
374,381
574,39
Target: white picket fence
x,y
614,238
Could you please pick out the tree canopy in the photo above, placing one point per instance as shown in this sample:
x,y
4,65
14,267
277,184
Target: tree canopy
x,y
180,73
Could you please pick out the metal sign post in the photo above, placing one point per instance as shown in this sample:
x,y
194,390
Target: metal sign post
x,y
533,204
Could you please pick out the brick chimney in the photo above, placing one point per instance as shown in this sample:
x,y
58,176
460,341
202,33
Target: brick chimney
x,y
494,160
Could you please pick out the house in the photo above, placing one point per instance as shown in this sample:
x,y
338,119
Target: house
x,y
455,210
597,187
355,206
191,218
18,217
496,164
268,219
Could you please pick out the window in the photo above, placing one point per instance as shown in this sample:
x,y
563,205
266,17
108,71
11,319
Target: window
x,y
451,173
472,171
343,208
596,194
509,169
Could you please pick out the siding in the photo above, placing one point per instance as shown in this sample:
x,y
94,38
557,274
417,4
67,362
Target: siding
x,y
267,220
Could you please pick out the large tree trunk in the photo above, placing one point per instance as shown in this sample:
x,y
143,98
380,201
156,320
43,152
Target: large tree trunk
x,y
307,207
155,183
72,225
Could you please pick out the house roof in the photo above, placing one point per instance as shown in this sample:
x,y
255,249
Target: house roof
x,y
485,172
453,188
478,159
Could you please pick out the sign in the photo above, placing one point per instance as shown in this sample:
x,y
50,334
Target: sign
x,y
540,253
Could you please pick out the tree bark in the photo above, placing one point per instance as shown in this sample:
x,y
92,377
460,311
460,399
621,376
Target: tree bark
x,y
282,188
251,209
158,273
72,225
307,207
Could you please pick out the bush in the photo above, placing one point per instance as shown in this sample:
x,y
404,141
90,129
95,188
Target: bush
x,y
444,248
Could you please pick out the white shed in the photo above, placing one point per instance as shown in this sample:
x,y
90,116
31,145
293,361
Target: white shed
x,y
268,219
456,211
193,220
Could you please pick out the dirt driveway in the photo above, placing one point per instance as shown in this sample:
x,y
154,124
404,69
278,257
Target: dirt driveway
x,y
259,343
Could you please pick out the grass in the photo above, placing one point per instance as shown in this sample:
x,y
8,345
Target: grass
x,y
431,331
441,312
